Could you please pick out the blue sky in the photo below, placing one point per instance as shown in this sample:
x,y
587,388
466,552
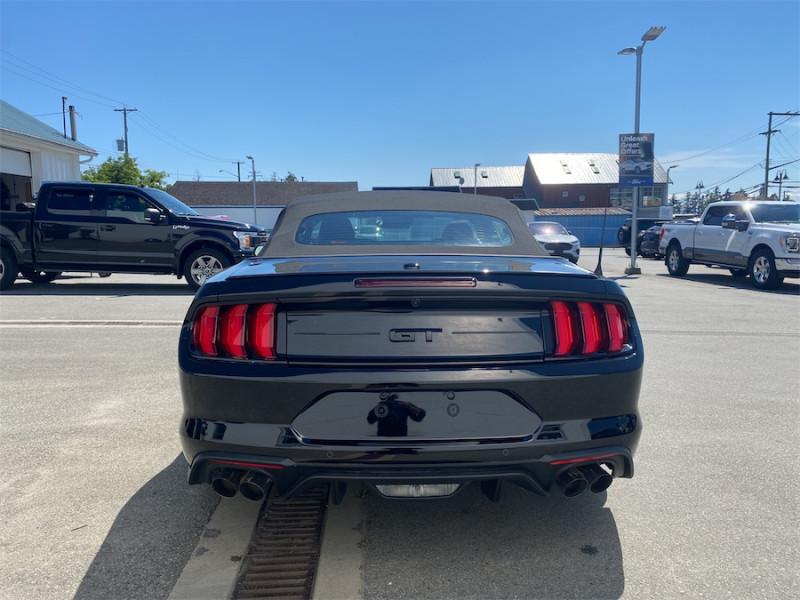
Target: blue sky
x,y
380,92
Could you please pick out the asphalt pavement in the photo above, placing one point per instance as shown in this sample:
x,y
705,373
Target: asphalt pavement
x,y
94,502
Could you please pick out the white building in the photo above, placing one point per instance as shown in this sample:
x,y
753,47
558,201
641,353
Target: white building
x,y
32,152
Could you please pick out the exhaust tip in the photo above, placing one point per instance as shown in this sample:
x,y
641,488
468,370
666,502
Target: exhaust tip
x,y
572,483
254,487
599,479
226,483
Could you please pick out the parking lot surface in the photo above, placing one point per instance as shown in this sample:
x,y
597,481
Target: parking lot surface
x,y
94,501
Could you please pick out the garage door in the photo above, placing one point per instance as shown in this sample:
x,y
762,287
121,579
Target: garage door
x,y
14,162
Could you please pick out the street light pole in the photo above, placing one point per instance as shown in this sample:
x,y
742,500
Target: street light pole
x,y
649,35
669,168
475,176
255,209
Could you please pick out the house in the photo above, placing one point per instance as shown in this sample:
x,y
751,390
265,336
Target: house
x,y
235,198
32,152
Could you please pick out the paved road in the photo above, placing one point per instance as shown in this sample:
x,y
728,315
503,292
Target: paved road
x,y
94,501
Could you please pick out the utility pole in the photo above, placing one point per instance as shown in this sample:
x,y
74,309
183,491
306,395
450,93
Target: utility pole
x,y
769,133
125,110
239,169
255,205
475,176
64,113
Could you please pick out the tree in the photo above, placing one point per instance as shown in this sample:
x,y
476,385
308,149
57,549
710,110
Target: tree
x,y
124,169
290,177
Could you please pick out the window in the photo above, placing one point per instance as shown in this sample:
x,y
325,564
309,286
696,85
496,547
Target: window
x,y
15,191
565,194
547,228
123,205
76,202
714,215
403,227
775,213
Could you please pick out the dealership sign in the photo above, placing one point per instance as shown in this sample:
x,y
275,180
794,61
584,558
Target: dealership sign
x,y
636,159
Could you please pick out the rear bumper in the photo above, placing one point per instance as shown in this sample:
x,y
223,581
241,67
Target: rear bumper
x,y
534,474
582,408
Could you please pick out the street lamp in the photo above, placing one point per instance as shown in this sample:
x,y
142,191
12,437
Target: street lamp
x,y
475,176
255,210
649,36
779,179
669,168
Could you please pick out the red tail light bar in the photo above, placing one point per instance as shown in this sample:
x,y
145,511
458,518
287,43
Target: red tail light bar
x,y
239,331
585,328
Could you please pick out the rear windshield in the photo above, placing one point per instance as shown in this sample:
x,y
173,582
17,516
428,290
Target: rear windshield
x,y
403,227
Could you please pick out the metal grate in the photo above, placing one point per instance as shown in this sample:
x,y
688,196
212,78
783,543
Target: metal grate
x,y
282,558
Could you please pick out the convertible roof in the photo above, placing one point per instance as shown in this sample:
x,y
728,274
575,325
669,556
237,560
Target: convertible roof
x,y
282,242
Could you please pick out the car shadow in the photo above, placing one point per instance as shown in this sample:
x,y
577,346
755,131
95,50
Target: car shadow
x,y
151,539
97,287
723,279
525,546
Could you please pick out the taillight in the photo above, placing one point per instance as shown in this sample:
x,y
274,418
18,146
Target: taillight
x,y
617,327
590,326
204,330
584,328
261,327
564,328
231,331
238,331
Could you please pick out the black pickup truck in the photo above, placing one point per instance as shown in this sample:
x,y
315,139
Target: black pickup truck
x,y
111,228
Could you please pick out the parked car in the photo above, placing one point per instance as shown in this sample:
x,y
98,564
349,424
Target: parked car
x,y
648,242
110,228
624,231
759,239
449,349
555,238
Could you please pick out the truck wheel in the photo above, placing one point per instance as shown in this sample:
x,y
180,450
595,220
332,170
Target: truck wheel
x,y
41,276
677,265
762,270
8,268
204,263
738,272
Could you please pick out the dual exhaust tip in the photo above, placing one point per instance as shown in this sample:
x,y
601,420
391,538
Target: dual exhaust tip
x,y
252,486
573,482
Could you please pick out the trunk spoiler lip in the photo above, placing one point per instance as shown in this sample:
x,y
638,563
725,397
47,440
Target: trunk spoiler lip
x,y
395,264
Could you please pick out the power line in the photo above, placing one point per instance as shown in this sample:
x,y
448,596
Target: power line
x,y
44,73
751,134
724,181
182,143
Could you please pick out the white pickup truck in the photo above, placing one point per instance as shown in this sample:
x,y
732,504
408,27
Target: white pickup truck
x,y
759,239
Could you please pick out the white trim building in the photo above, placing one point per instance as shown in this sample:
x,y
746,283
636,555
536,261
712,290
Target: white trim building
x,y
32,152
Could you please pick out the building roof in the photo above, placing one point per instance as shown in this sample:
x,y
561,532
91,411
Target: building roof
x,y
268,193
494,177
581,212
14,120
561,168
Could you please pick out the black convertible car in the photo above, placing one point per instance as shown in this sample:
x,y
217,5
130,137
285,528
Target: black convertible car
x,y
414,342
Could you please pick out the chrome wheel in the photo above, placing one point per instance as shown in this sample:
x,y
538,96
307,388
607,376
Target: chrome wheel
x,y
205,266
761,269
674,260
2,268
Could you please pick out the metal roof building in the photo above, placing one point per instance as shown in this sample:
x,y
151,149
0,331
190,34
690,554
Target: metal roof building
x,y
505,182
588,179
